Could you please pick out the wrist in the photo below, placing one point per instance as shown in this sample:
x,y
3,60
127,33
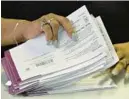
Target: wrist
x,y
31,29
21,29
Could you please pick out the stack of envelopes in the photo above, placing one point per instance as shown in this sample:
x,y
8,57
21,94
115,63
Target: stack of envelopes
x,y
36,68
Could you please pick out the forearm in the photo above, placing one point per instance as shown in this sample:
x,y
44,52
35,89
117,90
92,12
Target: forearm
x,y
10,33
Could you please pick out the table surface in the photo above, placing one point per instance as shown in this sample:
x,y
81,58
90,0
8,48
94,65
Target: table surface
x,y
121,92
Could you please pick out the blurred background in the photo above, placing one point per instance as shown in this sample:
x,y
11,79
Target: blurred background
x,y
115,14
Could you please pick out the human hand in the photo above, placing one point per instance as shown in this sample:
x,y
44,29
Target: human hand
x,y
49,24
122,50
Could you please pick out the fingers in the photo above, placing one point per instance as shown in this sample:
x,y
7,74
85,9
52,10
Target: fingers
x,y
48,32
65,23
127,72
120,54
124,61
50,28
51,31
119,66
118,46
55,26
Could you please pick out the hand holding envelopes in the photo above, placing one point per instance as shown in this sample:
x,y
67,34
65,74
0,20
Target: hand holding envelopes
x,y
35,68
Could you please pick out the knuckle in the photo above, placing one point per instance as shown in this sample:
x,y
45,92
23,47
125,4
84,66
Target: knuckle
x,y
63,19
120,54
43,17
51,14
67,20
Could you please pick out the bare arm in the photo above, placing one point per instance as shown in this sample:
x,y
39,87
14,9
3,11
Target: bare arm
x,y
21,30
8,35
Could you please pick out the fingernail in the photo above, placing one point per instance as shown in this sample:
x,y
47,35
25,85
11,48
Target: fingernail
x,y
115,72
74,36
55,43
127,76
49,42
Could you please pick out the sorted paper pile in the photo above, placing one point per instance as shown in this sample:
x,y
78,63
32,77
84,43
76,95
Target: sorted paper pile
x,y
34,68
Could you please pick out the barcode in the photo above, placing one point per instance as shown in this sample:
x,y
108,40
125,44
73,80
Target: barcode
x,y
44,62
